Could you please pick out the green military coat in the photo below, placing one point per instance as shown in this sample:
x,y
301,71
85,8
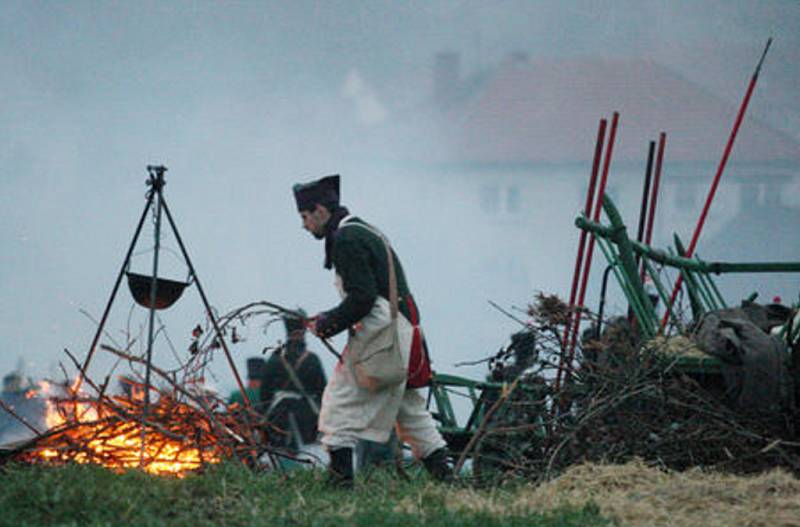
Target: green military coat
x,y
359,258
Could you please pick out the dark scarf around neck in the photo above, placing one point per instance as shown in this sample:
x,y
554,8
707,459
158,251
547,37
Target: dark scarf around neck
x,y
330,233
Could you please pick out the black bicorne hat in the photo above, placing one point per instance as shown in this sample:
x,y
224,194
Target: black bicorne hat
x,y
324,191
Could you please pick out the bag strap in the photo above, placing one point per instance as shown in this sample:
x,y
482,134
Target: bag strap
x,y
293,367
296,380
390,262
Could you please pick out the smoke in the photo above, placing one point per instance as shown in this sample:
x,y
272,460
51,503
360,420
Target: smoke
x,y
240,101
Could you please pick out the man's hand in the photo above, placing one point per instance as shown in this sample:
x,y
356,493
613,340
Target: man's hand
x,y
311,324
321,325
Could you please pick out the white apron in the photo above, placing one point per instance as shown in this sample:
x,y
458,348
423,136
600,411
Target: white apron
x,y
354,412
349,413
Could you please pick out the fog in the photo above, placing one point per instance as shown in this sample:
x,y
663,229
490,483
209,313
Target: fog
x,y
240,100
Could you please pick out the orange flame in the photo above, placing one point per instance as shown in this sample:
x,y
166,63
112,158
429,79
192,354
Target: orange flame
x,y
93,432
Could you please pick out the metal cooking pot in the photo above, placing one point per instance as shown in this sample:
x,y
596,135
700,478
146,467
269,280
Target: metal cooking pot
x,y
167,291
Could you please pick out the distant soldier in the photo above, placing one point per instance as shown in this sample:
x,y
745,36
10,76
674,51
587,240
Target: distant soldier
x,y
292,384
255,375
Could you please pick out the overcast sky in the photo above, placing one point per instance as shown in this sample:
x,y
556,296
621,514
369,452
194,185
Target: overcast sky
x,y
240,100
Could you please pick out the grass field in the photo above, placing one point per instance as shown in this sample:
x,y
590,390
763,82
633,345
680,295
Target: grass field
x,y
231,495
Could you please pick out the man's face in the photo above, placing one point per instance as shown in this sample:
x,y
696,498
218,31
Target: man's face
x,y
297,334
314,220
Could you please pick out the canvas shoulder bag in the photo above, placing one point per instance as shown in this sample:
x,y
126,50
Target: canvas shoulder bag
x,y
374,351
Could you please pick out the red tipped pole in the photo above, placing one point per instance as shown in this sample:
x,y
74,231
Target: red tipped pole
x,y
728,147
587,211
587,264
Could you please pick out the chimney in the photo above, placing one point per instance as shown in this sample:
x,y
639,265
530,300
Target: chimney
x,y
446,78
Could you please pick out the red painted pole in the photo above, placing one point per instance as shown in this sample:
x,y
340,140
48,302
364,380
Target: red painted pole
x,y
662,143
587,264
587,211
728,147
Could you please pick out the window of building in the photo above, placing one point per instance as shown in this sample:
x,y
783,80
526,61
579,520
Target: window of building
x,y
749,195
490,199
772,194
513,199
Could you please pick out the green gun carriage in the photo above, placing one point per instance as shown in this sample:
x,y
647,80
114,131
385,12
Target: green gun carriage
x,y
629,262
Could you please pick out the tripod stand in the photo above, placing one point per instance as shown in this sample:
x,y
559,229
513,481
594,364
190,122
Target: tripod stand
x,y
157,289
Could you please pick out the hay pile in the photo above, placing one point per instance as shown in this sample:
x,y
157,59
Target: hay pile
x,y
678,345
635,494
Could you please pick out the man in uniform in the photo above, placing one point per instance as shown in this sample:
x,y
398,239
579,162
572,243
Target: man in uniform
x,y
255,368
350,412
291,388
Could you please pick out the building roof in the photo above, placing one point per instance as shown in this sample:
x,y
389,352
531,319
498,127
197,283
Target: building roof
x,y
547,111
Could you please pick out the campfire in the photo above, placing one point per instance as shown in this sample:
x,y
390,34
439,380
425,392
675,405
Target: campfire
x,y
176,439
93,432
164,422
179,429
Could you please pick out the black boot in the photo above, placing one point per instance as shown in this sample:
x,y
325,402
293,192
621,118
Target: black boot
x,y
340,469
437,466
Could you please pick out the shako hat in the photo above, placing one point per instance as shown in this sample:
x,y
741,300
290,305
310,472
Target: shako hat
x,y
255,367
294,322
324,191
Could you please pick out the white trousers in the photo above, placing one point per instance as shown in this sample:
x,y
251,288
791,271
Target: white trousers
x,y
350,413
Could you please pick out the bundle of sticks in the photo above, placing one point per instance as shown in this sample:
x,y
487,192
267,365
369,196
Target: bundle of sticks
x,y
624,401
179,428
175,439
183,429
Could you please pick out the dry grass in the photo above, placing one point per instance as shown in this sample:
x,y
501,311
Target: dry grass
x,y
679,345
638,495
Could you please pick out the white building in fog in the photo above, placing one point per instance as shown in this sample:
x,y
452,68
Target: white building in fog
x,y
518,142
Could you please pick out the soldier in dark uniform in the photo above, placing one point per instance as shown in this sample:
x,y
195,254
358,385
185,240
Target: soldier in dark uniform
x,y
292,383
255,376
358,254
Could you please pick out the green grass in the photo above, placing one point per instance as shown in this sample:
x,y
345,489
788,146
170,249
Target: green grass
x,y
231,495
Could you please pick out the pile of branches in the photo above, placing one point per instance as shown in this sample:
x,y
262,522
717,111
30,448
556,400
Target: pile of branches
x,y
177,437
621,401
181,428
